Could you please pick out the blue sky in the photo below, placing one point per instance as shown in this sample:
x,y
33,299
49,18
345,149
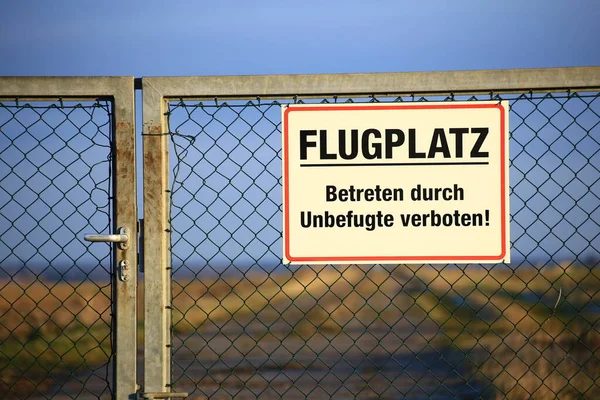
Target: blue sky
x,y
155,38
160,38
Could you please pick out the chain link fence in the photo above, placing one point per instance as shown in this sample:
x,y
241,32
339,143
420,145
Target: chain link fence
x,y
55,290
246,326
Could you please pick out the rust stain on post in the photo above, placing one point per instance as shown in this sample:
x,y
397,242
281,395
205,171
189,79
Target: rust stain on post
x,y
126,215
156,246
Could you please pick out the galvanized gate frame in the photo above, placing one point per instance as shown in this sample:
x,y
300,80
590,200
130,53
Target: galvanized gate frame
x,y
120,91
157,91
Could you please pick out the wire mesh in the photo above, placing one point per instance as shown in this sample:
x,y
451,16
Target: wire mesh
x,y
55,290
246,326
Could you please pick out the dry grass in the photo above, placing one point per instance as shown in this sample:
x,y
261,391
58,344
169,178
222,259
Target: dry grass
x,y
50,330
519,347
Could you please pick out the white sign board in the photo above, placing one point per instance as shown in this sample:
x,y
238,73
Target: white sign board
x,y
396,183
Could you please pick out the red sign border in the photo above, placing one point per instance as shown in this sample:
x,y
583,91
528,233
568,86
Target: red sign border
x,y
412,106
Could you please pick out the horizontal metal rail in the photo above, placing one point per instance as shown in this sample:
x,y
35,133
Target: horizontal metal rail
x,y
415,83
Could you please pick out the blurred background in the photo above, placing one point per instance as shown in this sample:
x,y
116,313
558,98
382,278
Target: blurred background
x,y
245,325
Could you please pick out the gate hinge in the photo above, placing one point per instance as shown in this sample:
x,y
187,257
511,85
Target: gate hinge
x,y
140,257
164,395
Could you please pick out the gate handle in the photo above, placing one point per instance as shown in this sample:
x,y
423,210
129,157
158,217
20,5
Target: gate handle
x,y
121,237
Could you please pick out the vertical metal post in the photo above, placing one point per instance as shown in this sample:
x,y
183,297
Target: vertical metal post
x,y
125,301
157,276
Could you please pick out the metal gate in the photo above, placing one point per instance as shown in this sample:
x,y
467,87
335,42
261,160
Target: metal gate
x,y
221,316
225,319
67,167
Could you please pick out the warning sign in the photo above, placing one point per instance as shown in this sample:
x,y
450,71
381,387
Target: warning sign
x,y
396,183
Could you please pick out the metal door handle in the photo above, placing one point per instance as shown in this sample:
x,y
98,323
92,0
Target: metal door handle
x,y
121,237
